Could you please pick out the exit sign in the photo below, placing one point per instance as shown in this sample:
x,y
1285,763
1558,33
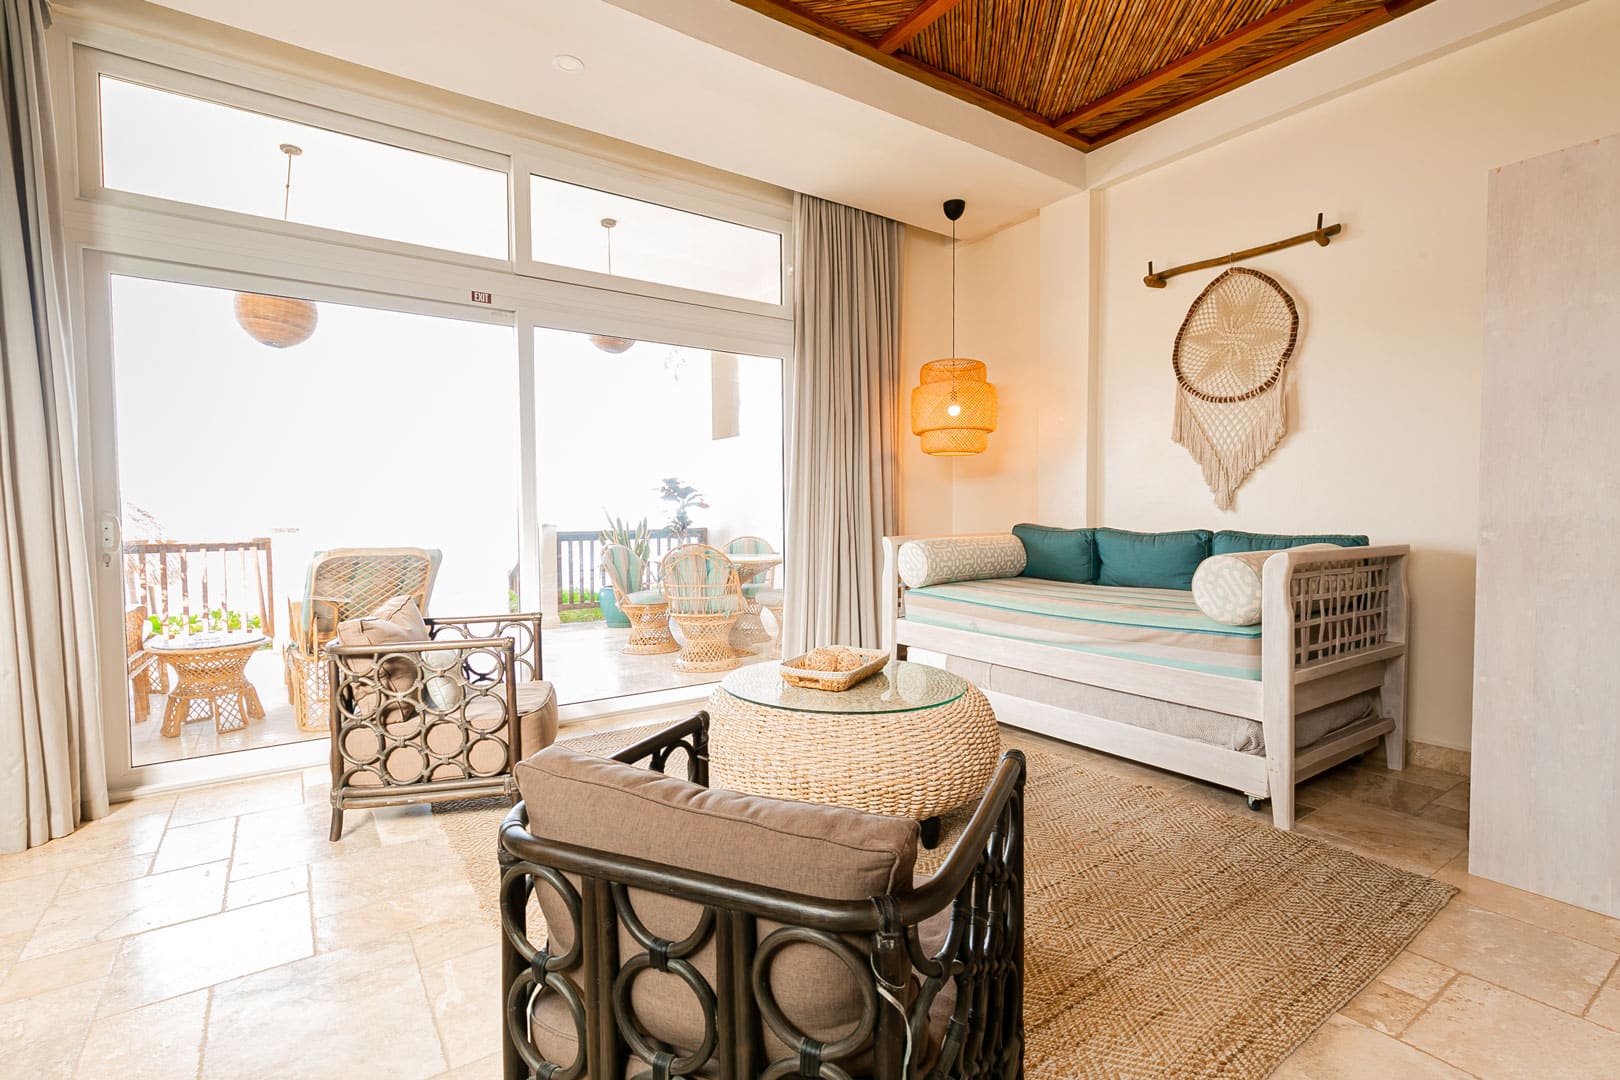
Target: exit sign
x,y
482,297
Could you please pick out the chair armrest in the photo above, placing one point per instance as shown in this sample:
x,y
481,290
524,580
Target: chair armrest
x,y
691,735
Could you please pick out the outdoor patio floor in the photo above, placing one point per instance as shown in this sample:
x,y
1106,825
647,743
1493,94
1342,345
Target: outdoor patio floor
x,y
582,660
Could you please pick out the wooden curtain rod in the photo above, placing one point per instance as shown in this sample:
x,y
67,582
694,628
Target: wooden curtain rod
x,y
1156,280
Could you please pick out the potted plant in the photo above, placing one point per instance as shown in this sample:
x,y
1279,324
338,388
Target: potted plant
x,y
639,542
684,498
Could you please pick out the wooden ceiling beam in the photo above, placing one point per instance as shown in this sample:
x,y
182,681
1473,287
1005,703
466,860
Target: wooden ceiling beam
x,y
1344,31
785,11
1216,49
921,18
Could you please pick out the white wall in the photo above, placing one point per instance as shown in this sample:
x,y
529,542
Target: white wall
x,y
1384,395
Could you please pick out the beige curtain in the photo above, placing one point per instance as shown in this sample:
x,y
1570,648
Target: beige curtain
x,y
52,774
843,416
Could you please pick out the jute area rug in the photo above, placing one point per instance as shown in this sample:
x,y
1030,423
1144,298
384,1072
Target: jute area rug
x,y
1163,938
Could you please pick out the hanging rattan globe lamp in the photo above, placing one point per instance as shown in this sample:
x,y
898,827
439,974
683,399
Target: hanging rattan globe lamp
x,y
953,407
607,342
278,321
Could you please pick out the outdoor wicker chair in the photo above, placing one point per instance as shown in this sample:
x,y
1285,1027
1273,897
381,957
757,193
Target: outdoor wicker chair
x,y
695,932
762,590
431,709
342,584
705,601
646,609
145,669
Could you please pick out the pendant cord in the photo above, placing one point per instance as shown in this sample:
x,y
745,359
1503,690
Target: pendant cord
x,y
954,364
286,192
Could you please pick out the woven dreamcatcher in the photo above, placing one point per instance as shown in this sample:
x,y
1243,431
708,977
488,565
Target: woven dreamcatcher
x,y
1231,365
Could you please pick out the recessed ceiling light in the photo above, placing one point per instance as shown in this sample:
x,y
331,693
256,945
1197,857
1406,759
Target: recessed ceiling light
x,y
569,63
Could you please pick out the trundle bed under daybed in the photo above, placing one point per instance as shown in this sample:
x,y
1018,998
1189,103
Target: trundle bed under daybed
x,y
1100,654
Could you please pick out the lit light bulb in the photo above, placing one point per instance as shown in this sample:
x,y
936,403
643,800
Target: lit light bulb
x,y
953,409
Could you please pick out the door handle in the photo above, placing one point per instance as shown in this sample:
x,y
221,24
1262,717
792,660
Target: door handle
x,y
111,531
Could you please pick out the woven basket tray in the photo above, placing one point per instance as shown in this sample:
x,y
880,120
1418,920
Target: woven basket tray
x,y
811,679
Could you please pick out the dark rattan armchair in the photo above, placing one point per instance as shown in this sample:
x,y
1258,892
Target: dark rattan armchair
x,y
921,979
446,717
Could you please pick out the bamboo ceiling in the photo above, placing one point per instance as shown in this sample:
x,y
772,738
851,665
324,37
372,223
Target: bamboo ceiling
x,y
1085,72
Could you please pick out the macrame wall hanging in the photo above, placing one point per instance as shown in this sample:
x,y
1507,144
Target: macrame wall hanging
x,y
1231,365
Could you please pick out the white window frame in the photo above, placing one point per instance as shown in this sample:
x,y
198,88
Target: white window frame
x,y
518,158
110,232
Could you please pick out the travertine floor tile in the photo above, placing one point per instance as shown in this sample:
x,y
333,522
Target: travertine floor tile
x,y
1494,1032
190,845
403,824
42,1035
271,886
1345,1050
1399,839
106,872
28,978
1384,1008
122,833
162,1041
1578,923
359,1013
1457,797
1537,963
460,991
486,1069
446,939
24,901
129,907
363,878
178,959
1414,774
1605,1009
1386,789
292,836
1417,975
242,797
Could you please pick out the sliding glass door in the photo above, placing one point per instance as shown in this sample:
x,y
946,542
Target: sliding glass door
x,y
684,441
238,462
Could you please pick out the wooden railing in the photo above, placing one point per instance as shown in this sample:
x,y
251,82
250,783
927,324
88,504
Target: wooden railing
x,y
189,580
578,562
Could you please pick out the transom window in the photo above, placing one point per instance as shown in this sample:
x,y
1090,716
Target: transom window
x,y
607,233
172,146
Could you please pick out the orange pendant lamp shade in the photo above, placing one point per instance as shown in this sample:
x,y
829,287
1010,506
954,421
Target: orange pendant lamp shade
x,y
954,408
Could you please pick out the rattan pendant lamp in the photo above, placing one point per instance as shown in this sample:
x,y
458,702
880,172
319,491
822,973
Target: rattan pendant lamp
x,y
278,321
607,342
954,408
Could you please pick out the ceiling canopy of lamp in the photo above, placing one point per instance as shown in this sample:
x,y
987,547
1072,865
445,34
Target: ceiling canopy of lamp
x,y
953,409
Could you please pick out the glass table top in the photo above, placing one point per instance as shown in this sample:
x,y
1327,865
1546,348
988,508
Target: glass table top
x,y
900,687
223,639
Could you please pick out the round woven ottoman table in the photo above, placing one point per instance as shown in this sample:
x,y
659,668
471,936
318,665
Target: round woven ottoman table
x,y
912,740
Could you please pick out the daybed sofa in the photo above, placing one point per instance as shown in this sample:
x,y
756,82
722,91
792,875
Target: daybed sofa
x,y
1295,662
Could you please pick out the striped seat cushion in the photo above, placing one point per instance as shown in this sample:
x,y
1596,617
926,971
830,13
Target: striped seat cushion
x,y
1155,626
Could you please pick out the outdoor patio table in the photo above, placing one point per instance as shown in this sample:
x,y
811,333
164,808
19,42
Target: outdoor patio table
x,y
210,677
749,630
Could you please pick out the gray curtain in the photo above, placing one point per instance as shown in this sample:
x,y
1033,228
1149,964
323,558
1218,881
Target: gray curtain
x,y
843,423
52,773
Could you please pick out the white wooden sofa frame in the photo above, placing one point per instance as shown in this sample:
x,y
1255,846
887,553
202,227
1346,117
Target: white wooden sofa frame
x,y
1333,625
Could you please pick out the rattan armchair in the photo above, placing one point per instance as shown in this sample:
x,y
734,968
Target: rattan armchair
x,y
646,609
341,584
761,592
145,669
669,953
705,601
442,718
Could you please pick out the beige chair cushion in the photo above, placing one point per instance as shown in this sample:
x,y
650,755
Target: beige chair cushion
x,y
821,851
536,709
398,674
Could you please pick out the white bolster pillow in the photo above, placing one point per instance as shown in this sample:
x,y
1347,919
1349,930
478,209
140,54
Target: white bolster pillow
x,y
960,558
1228,588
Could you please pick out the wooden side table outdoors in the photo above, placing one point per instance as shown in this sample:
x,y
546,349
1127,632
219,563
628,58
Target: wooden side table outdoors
x,y
210,680
913,740
749,630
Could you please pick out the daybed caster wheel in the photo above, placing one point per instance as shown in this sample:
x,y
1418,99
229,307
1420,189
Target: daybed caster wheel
x,y
1256,803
